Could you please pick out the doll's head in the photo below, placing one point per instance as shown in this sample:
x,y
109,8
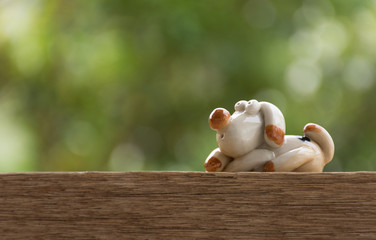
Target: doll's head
x,y
252,124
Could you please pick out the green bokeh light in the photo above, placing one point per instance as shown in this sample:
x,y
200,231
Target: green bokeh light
x,y
128,85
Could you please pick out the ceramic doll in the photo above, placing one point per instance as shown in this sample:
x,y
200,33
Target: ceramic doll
x,y
253,139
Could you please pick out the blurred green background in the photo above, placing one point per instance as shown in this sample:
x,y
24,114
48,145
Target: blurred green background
x,y
129,85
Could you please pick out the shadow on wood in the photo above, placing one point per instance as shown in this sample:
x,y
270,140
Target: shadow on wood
x,y
165,205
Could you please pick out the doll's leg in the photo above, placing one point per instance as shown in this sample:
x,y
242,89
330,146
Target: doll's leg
x,y
216,161
316,165
252,161
291,160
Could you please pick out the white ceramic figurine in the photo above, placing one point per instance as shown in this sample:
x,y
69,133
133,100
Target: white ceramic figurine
x,y
253,139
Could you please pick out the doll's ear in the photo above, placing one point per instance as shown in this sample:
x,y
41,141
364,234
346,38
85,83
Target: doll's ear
x,y
274,124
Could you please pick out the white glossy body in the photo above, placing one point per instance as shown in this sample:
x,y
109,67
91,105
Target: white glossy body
x,y
252,139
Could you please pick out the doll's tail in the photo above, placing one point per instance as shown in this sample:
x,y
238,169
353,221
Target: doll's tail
x,y
320,136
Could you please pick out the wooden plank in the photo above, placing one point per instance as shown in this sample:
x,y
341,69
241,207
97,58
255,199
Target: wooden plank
x,y
186,205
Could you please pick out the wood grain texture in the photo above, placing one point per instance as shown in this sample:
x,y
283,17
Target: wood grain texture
x,y
188,205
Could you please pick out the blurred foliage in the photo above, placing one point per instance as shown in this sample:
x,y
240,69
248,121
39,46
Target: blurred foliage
x,y
128,85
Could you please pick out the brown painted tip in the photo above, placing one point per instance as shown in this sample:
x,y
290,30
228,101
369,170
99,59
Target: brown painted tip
x,y
269,167
275,134
213,164
311,127
219,118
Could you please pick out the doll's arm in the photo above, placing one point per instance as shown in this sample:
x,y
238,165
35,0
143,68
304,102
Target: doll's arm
x,y
253,161
216,161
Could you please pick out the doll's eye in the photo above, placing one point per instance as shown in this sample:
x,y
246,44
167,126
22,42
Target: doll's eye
x,y
222,136
240,106
253,107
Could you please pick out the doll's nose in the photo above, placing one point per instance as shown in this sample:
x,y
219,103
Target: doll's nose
x,y
219,118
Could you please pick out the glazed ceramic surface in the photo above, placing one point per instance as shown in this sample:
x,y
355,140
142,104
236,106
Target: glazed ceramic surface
x,y
253,139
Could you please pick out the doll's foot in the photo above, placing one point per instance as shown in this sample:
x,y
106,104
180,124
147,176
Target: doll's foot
x,y
269,167
213,164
